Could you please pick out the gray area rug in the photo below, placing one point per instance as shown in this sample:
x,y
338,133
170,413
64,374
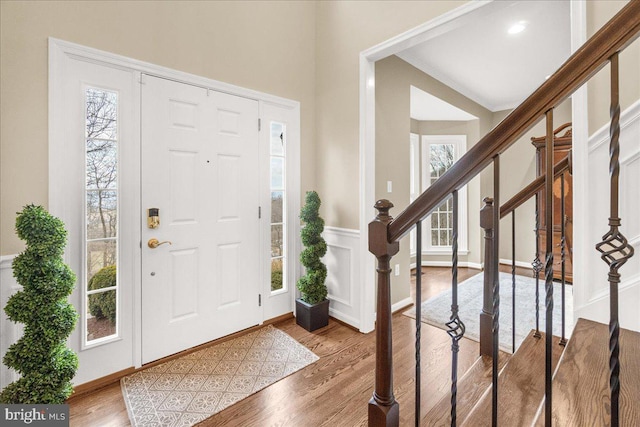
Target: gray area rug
x,y
437,310
189,389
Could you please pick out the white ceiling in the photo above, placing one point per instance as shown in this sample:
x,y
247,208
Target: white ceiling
x,y
482,61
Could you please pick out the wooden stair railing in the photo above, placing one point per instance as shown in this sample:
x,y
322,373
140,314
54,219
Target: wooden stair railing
x,y
385,232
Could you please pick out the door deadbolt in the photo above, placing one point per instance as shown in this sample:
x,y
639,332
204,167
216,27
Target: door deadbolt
x,y
154,243
153,218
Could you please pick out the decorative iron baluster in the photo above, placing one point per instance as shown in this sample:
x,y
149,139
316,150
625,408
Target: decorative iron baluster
x,y
496,288
513,281
548,267
418,315
615,248
563,245
455,326
536,265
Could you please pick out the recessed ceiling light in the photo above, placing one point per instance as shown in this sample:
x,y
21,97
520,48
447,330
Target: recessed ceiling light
x,y
518,27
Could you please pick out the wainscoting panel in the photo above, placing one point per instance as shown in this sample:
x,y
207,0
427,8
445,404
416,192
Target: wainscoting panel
x,y
9,331
343,271
592,297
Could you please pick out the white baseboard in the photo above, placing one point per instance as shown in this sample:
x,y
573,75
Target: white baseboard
x,y
401,304
466,264
522,264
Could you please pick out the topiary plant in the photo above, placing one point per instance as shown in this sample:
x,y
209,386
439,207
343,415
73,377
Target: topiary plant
x,y
41,357
103,305
311,285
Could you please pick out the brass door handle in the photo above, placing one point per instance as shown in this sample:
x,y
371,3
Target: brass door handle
x,y
154,243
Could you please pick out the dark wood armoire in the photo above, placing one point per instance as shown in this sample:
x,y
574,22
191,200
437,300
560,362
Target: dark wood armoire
x,y
561,148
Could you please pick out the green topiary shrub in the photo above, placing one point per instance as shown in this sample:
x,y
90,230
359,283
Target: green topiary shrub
x,y
103,305
311,285
41,357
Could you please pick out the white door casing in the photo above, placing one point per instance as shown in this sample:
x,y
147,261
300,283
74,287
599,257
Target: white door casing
x,y
280,302
66,177
67,201
200,168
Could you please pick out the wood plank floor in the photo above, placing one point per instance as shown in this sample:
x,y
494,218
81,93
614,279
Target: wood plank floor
x,y
333,391
581,393
520,386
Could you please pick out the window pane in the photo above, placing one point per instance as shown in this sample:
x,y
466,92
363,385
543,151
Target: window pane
x,y
101,314
277,173
277,202
102,162
101,214
100,254
434,238
443,238
277,240
443,220
277,269
434,220
277,139
441,158
102,113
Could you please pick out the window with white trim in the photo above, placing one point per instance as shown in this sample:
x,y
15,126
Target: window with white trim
x,y
438,154
278,206
101,213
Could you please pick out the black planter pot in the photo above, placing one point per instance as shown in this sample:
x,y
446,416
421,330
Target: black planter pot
x,y
312,316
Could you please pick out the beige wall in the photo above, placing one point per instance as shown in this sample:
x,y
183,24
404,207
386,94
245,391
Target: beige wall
x,y
266,46
598,13
393,125
344,29
518,169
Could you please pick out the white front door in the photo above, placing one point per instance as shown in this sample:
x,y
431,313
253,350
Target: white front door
x,y
200,169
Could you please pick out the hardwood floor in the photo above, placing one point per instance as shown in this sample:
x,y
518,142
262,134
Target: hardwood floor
x,y
333,391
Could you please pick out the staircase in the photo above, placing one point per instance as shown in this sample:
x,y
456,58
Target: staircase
x,y
595,379
580,384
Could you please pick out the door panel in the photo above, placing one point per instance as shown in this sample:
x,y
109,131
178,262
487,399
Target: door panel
x,y
200,168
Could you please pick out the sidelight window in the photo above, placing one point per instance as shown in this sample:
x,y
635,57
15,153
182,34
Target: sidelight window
x,y
278,206
101,214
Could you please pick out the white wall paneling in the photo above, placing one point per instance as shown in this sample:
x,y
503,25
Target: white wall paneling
x,y
343,274
591,295
9,331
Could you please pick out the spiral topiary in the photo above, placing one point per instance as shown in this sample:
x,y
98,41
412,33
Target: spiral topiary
x,y
103,305
311,285
41,357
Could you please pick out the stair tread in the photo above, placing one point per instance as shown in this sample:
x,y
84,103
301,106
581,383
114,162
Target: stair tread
x,y
581,393
520,386
471,386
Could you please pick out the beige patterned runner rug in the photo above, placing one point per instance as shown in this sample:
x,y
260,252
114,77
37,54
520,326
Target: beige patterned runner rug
x,y
189,389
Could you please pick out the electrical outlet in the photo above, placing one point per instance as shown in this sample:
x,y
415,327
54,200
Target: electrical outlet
x,y
389,186
396,269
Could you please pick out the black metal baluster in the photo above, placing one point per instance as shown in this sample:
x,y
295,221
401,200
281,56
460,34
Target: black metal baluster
x,y
548,267
614,246
537,266
513,281
563,245
455,325
418,314
496,288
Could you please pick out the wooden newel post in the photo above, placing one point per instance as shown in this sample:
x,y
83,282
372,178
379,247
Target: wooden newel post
x,y
486,316
383,408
